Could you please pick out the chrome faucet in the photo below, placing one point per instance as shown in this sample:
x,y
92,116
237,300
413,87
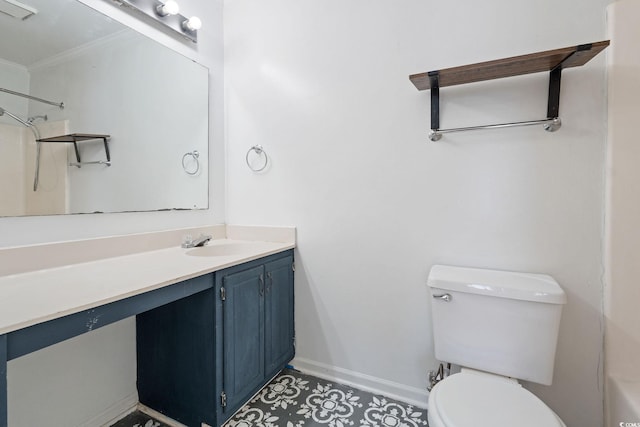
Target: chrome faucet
x,y
190,242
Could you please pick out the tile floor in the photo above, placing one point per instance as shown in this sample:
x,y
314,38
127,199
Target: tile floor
x,y
294,399
138,419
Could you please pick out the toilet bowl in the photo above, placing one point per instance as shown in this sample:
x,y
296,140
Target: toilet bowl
x,y
477,399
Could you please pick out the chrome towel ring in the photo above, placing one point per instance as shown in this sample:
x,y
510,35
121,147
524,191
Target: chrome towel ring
x,y
195,155
259,152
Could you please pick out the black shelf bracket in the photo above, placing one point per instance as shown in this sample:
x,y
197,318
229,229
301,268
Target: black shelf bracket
x,y
79,162
434,79
553,105
74,138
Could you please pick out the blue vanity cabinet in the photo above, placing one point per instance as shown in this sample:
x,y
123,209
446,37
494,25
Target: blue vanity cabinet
x,y
254,327
205,345
3,381
242,304
202,357
279,315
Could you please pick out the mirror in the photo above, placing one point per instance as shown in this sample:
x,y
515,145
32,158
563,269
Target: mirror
x,y
149,99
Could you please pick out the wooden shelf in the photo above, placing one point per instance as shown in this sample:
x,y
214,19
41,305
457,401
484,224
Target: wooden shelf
x,y
567,57
552,61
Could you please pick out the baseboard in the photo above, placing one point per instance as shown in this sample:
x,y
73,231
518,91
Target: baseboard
x,y
114,412
159,416
411,395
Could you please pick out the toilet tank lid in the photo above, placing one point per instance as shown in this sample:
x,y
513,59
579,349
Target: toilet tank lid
x,y
495,283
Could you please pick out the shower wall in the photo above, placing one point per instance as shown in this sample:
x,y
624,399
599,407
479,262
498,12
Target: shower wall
x,y
52,196
12,200
18,154
17,169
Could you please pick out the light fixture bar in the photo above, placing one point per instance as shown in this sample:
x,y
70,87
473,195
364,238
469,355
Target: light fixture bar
x,y
159,12
16,9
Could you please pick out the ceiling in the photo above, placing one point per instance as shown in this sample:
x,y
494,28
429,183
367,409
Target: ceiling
x,y
59,26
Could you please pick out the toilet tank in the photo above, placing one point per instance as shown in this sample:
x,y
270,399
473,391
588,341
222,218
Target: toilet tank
x,y
496,321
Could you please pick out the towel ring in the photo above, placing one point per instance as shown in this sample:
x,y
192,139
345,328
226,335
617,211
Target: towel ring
x,y
194,154
259,151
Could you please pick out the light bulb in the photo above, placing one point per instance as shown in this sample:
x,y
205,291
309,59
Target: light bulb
x,y
169,7
192,24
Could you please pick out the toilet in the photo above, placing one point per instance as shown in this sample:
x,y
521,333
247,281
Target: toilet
x,y
498,327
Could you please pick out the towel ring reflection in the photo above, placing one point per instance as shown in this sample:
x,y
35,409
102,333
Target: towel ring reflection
x,y
259,151
194,154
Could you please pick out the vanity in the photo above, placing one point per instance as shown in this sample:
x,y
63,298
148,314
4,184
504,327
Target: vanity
x,y
213,324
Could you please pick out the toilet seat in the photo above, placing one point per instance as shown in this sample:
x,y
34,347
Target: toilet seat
x,y
477,399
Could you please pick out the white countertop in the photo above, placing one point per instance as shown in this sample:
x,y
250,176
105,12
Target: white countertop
x,y
34,297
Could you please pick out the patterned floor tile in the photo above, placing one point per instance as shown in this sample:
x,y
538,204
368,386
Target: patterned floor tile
x,y
138,419
293,399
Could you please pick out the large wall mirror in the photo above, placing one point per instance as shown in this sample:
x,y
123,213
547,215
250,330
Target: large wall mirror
x,y
149,99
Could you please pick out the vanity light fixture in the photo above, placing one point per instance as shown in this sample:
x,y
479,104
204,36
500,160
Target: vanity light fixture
x,y
165,12
192,24
169,7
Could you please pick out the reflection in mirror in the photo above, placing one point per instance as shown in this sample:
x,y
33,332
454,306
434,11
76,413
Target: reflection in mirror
x,y
151,101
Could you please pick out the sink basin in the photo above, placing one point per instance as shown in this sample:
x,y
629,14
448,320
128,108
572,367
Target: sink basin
x,y
222,249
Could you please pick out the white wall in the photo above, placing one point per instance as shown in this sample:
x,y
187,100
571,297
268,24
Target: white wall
x,y
623,208
13,77
73,376
79,382
324,87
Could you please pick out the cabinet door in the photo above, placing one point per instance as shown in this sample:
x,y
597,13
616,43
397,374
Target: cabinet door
x,y
243,335
279,315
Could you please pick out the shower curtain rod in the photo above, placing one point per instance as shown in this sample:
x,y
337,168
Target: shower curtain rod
x,y
57,104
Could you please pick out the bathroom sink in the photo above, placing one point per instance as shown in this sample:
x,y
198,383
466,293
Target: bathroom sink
x,y
222,249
